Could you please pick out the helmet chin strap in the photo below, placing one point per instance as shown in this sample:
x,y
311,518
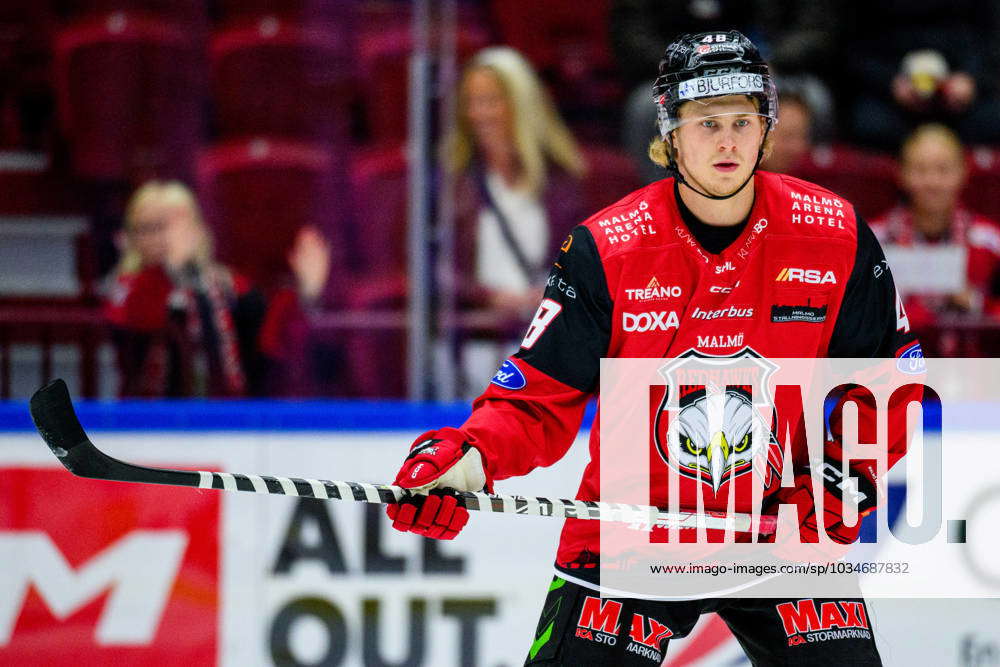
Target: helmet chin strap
x,y
674,168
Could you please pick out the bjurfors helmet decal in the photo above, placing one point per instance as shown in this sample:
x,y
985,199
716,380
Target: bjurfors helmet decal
x,y
706,65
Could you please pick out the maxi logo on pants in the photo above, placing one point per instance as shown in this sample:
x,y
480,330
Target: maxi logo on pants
x,y
805,622
599,622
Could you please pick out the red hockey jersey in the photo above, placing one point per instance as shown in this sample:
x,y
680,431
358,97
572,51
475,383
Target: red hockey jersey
x,y
805,278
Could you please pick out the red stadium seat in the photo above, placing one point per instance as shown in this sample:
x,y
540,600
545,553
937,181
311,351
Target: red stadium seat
x,y
611,174
299,11
22,19
281,79
45,325
258,193
867,180
27,119
189,13
28,191
569,43
982,193
568,38
377,356
127,90
384,53
378,178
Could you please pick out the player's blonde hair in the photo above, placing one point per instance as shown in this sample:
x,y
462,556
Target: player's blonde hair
x,y
660,149
539,131
162,193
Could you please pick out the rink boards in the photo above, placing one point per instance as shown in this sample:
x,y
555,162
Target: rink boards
x,y
100,573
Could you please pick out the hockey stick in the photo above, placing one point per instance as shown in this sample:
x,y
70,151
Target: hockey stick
x,y
56,421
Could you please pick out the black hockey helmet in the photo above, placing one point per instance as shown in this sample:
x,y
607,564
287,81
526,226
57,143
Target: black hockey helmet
x,y
712,64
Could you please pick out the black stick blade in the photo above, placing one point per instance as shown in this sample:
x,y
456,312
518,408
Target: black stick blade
x,y
52,411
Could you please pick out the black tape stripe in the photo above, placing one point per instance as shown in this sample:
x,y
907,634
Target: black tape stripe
x,y
243,482
303,487
273,485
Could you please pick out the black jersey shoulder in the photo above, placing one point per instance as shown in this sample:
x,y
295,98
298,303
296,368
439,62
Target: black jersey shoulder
x,y
568,345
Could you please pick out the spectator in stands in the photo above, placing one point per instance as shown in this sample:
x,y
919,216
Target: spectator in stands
x,y
792,136
932,176
640,30
518,191
186,325
907,63
798,39
518,175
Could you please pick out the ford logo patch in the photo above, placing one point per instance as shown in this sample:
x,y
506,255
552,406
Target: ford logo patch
x,y
911,361
509,377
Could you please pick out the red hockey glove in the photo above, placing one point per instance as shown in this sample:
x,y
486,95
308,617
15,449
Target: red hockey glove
x,y
438,461
802,495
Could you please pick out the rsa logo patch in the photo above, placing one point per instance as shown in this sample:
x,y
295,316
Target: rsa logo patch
x,y
122,574
807,276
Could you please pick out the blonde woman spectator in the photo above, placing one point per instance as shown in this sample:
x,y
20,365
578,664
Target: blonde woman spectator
x,y
186,325
517,188
932,175
518,175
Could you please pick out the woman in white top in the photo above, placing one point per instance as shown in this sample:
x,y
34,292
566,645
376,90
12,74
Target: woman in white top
x,y
517,166
518,190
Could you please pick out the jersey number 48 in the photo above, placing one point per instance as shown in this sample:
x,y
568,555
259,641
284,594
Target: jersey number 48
x,y
546,312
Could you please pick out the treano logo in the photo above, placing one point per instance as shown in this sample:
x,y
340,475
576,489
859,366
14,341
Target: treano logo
x,y
654,290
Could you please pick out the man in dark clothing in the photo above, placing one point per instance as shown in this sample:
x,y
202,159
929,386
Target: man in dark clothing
x,y
904,63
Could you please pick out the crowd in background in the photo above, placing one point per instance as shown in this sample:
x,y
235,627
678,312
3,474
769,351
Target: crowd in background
x,y
243,171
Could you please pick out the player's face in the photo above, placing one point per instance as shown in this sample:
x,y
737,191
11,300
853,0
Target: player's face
x,y
487,110
718,152
933,174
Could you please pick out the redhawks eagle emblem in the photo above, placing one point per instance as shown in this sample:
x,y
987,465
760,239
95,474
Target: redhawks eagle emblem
x,y
714,420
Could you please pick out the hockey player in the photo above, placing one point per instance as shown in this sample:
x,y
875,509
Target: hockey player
x,y
721,259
